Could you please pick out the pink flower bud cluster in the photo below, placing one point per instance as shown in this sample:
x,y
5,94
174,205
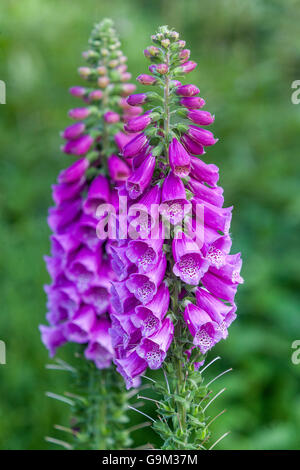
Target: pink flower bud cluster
x,y
107,77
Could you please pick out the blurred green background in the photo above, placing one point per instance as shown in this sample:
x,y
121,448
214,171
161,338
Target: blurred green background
x,y
249,54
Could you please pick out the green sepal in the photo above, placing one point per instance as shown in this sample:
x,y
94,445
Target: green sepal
x,y
182,128
114,75
152,95
158,149
151,132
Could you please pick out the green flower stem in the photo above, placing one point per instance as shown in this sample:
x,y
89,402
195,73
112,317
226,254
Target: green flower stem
x,y
167,108
100,408
177,358
176,283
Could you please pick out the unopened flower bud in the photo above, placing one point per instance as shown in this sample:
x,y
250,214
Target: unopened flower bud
x,y
128,88
118,169
90,54
113,63
79,113
137,99
203,118
188,66
139,123
187,90
154,51
135,146
77,91
151,51
174,35
192,102
95,95
103,82
101,70
114,55
145,79
125,76
184,55
111,117
175,83
84,72
152,68
122,68
79,146
73,131
201,136
132,111
165,43
115,75
162,69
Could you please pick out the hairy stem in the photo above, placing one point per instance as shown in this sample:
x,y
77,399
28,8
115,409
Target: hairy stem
x,y
99,410
177,350
167,109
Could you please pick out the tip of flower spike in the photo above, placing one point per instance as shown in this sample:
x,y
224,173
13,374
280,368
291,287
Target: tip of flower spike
x,y
151,52
165,37
103,27
104,44
106,23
